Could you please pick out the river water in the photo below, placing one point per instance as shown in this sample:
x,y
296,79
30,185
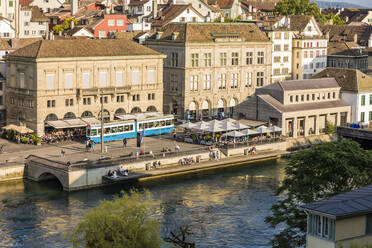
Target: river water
x,y
227,206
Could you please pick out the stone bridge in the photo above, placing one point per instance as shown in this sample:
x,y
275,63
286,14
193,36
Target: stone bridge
x,y
361,135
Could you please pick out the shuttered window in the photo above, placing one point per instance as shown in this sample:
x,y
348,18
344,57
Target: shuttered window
x,y
320,226
102,78
151,76
50,82
86,80
68,80
135,76
119,78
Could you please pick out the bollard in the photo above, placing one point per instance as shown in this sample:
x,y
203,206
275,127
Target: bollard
x,y
106,149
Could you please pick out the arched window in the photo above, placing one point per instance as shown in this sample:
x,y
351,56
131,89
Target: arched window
x,y
136,110
106,115
86,114
151,109
51,117
119,111
69,115
21,119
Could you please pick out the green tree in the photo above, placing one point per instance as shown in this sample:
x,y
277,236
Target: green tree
x,y
122,223
320,172
336,19
298,7
330,128
66,25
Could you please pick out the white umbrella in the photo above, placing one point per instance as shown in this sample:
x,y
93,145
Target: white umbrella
x,y
188,125
228,126
228,120
263,129
249,132
214,122
275,129
241,126
201,125
234,134
214,128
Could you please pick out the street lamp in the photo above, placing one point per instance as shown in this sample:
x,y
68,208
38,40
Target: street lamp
x,y
102,124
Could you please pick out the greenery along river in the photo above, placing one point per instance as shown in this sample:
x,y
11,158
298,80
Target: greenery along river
x,y
227,205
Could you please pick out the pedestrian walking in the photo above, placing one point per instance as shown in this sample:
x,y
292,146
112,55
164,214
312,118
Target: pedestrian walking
x,y
63,153
92,145
124,142
87,144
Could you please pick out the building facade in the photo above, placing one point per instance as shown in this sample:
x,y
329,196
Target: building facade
x,y
309,47
356,90
109,25
32,22
299,107
343,220
9,10
65,79
210,68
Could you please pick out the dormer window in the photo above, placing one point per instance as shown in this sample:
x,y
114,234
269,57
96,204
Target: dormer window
x,y
309,28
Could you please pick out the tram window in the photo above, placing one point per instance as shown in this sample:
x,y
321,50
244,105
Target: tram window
x,y
162,123
156,123
107,130
93,132
126,128
145,125
168,122
140,126
99,131
131,127
88,132
172,121
114,129
120,129
150,124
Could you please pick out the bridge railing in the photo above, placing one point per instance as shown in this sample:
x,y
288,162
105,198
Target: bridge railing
x,y
47,162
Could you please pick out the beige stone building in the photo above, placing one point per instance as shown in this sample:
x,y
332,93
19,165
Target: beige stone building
x,y
65,79
299,107
211,67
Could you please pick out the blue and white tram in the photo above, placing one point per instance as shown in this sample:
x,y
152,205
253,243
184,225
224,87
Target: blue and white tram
x,y
119,130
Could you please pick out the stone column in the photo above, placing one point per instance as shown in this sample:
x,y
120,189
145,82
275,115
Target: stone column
x,y
317,124
338,118
295,127
307,125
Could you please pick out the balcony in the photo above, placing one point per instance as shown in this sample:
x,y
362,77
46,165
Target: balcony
x,y
103,91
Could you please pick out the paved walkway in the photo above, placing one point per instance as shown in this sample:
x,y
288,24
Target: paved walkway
x,y
76,151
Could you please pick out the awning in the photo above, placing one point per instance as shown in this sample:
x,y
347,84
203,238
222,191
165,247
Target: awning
x,y
19,129
71,123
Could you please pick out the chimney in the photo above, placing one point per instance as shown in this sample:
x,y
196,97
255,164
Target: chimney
x,y
356,38
74,6
154,9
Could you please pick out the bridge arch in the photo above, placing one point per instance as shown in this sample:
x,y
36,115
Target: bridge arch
x,y
44,176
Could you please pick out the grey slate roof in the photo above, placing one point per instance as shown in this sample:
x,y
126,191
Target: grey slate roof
x,y
343,205
309,84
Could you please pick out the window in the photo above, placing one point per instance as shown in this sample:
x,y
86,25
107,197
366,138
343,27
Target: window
x,y
277,59
86,101
194,83
102,34
49,81
51,103
1,100
223,59
26,24
249,59
317,53
277,71
278,36
362,116
234,80
207,59
334,95
135,76
136,97
151,96
86,80
174,61
313,97
12,100
1,85
120,23
370,99
277,48
10,3
222,81
105,99
285,59
369,223
260,57
311,54
302,98
234,58
307,97
151,76
119,78
248,79
285,71
111,23
260,79
305,54
68,80
363,100
120,98
21,80
194,60
291,98
69,102
320,226
286,47
102,78
286,35
207,82
297,98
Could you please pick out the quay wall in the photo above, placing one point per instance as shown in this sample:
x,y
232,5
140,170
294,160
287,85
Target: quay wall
x,y
12,171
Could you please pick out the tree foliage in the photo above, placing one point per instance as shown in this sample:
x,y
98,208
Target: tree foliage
x,y
122,223
335,19
330,128
320,172
66,25
298,7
